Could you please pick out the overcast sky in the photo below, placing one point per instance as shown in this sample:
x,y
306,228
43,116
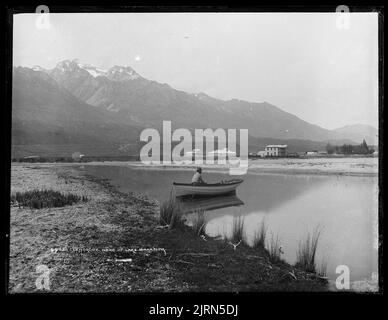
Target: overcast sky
x,y
301,63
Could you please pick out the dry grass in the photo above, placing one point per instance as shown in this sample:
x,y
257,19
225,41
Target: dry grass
x,y
38,199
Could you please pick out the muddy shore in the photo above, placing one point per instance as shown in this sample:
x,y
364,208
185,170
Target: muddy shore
x,y
113,243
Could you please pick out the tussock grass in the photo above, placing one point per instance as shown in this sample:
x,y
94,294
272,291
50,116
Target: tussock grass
x,y
170,213
38,199
238,232
305,256
260,236
199,223
274,249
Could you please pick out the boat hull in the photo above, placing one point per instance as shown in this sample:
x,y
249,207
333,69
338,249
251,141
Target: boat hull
x,y
183,189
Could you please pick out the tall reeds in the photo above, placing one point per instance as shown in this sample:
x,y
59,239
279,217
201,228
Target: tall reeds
x,y
274,249
238,232
199,222
305,257
260,236
170,213
322,268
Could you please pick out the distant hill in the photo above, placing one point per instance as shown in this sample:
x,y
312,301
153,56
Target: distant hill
x,y
79,107
358,132
45,114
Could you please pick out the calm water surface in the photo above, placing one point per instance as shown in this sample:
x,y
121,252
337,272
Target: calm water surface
x,y
292,205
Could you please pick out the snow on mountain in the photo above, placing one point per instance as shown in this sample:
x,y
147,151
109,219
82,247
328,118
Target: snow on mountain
x,y
119,73
116,73
52,121
122,91
94,71
74,65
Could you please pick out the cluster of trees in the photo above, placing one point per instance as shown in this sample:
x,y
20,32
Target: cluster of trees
x,y
349,149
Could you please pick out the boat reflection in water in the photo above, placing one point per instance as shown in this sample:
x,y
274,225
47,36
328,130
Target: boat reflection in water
x,y
189,204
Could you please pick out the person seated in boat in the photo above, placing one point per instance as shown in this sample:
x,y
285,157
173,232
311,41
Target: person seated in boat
x,y
197,177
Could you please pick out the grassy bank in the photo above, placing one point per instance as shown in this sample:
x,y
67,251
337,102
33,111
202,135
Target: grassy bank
x,y
116,242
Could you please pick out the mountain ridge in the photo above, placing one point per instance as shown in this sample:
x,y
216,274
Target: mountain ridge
x,y
117,103
143,97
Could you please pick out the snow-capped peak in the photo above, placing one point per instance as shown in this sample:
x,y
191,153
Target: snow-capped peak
x,y
93,70
120,73
116,73
75,65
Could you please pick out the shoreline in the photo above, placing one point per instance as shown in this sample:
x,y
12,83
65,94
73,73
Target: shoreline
x,y
114,243
357,167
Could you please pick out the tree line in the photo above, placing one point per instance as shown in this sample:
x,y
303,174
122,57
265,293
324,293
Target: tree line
x,y
349,149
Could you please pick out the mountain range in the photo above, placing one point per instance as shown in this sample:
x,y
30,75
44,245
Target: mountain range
x,y
358,132
80,107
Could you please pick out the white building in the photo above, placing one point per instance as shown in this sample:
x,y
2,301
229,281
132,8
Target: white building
x,y
276,150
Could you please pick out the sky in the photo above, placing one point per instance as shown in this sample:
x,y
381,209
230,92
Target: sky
x,y
303,63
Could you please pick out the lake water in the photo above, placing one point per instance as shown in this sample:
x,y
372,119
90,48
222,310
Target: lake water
x,y
344,207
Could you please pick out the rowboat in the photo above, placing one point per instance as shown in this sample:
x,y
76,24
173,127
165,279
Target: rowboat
x,y
206,189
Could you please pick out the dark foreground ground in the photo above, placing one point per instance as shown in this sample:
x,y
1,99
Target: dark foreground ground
x,y
113,243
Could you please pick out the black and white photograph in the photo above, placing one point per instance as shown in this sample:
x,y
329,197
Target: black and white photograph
x,y
191,151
